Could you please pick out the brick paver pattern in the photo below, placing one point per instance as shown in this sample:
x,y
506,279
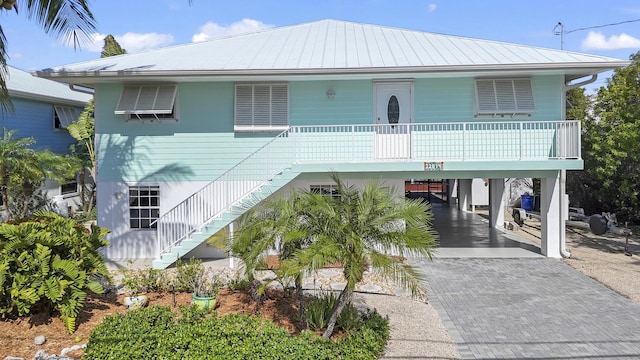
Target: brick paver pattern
x,y
530,309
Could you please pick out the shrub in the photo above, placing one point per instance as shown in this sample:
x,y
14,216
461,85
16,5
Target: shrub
x,y
49,263
185,274
156,333
319,311
144,280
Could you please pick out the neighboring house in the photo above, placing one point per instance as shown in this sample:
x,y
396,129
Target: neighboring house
x,y
42,110
189,136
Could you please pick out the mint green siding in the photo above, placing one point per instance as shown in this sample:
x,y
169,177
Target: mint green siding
x,y
309,105
202,144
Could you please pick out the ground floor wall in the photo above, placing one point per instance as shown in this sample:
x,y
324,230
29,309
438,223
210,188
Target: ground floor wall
x,y
127,243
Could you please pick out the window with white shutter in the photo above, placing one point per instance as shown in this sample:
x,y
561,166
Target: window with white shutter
x,y
63,116
261,107
148,102
504,97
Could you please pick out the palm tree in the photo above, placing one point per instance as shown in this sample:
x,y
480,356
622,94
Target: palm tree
x,y
69,18
12,153
23,170
275,225
368,228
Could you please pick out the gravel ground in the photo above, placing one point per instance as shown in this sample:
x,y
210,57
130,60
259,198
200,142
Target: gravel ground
x,y
416,329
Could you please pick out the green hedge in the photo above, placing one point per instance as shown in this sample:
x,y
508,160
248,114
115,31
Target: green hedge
x,y
157,333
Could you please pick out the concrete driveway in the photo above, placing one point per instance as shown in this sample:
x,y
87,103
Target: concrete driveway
x,y
530,308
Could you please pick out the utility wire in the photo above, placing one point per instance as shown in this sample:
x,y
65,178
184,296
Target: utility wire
x,y
601,26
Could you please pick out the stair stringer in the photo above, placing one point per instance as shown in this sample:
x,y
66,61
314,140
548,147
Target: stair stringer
x,y
226,218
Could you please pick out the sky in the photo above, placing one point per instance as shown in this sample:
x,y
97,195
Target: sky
x,y
140,25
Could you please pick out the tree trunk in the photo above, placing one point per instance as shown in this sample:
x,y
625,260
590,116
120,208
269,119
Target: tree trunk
x,y
300,301
83,189
92,198
343,300
5,192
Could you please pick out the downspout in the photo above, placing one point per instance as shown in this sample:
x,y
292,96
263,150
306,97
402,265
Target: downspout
x,y
563,173
82,89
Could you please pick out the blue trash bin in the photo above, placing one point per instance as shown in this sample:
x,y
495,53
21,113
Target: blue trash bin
x,y
527,202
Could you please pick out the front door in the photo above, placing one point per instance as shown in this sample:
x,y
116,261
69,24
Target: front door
x,y
393,117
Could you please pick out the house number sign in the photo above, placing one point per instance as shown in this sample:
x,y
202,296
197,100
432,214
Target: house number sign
x,y
434,166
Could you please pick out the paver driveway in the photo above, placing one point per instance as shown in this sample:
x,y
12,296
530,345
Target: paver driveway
x,y
531,308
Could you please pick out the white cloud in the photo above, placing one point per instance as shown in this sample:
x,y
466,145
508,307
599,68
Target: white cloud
x,y
432,7
211,30
597,41
132,42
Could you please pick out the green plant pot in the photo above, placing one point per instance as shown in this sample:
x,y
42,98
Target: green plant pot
x,y
207,303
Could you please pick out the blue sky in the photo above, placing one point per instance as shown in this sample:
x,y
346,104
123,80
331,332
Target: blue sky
x,y
140,25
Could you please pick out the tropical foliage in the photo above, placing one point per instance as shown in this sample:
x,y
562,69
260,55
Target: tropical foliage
x,y
157,333
49,263
611,149
357,227
23,170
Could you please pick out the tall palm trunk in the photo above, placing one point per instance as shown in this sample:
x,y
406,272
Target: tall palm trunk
x,y
300,300
345,297
4,189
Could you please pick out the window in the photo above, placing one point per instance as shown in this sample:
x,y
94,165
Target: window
x,y
69,188
326,190
148,102
144,206
261,107
63,116
504,97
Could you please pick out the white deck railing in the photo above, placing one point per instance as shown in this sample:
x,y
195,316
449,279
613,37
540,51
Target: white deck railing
x,y
463,141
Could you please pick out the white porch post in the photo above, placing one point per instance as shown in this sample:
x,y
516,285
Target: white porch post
x,y
496,202
230,253
451,189
551,216
464,191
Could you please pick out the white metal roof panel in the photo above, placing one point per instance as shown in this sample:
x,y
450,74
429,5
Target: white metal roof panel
x,y
23,84
330,44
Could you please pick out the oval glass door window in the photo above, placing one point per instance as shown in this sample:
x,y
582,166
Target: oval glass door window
x,y
393,110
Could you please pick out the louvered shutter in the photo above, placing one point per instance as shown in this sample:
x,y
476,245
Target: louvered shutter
x,y
524,95
244,105
261,106
485,97
66,115
279,105
147,99
504,97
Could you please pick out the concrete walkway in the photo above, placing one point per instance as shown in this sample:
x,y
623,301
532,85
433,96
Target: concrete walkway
x,y
530,308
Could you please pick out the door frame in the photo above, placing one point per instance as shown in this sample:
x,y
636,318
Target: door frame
x,y
409,82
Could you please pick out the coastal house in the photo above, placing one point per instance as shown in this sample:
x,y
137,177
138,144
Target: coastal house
x,y
189,136
42,110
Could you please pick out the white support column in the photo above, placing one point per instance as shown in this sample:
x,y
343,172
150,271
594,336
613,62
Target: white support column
x,y
230,234
464,191
496,202
551,216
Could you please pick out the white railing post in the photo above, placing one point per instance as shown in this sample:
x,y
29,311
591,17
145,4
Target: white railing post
x,y
464,141
520,141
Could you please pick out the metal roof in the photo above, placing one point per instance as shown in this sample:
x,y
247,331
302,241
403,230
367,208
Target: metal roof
x,y
334,47
22,84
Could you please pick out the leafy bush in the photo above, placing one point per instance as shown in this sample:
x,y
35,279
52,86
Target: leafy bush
x,y
144,280
157,333
49,263
185,274
319,311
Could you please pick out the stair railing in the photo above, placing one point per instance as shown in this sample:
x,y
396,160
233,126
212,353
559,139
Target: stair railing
x,y
235,184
